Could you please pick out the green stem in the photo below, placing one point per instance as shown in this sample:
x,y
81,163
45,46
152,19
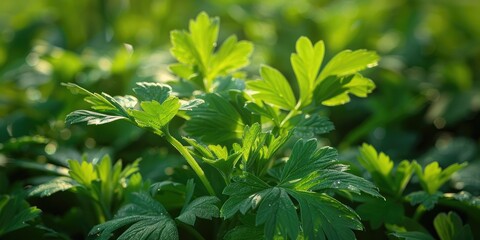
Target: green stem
x,y
419,212
291,114
191,161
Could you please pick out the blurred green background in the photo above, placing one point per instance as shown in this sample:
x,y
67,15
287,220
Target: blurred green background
x,y
426,105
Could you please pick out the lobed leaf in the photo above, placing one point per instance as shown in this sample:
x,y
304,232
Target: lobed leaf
x,y
306,64
450,227
55,185
142,218
273,89
348,62
156,115
433,177
15,213
215,121
201,207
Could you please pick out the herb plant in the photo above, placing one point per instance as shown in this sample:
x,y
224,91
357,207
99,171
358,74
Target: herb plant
x,y
259,170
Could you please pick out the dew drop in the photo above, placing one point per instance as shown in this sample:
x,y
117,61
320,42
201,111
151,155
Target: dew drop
x,y
336,184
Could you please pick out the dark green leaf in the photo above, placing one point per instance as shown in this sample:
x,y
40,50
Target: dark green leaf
x,y
450,227
150,91
244,233
215,121
142,218
378,212
413,236
323,217
201,207
15,213
424,198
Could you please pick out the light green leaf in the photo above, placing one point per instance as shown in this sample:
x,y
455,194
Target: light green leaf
x,y
142,218
358,86
432,177
273,89
150,91
83,173
97,101
15,213
204,33
231,56
55,185
92,118
156,115
413,235
348,62
306,63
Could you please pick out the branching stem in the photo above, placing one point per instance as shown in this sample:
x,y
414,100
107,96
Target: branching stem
x,y
191,161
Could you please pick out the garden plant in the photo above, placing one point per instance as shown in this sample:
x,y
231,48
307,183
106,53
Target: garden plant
x,y
247,157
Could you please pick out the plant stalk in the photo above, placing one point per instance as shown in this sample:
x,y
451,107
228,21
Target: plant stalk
x,y
191,161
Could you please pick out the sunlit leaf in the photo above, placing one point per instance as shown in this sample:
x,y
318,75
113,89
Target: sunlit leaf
x,y
273,89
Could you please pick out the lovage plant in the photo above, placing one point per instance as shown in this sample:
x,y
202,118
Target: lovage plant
x,y
259,170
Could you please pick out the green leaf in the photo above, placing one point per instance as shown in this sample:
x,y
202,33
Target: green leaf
x,y
97,101
215,121
195,51
358,86
15,213
55,185
311,169
306,63
244,232
83,173
323,217
218,157
413,235
277,212
334,90
92,118
348,62
308,126
142,218
432,177
308,170
381,168
201,207
149,91
231,56
424,198
273,89
450,227
156,115
108,108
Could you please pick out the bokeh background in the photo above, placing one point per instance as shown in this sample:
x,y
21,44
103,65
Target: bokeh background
x,y
426,105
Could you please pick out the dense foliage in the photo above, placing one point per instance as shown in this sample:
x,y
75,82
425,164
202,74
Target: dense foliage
x,y
230,138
